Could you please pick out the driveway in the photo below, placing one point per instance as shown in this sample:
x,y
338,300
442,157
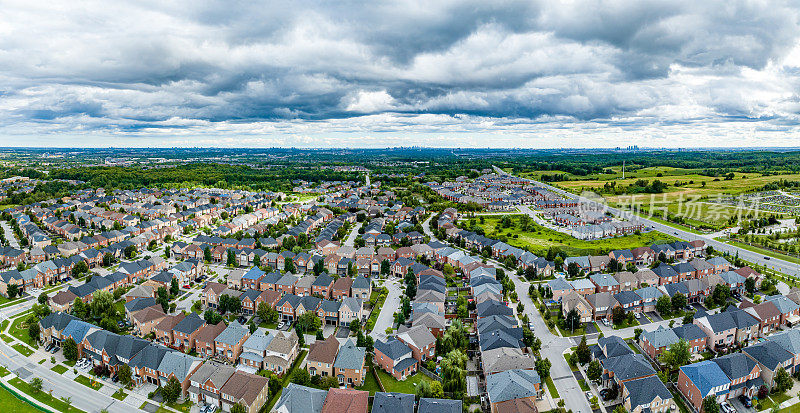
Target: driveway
x,y
654,316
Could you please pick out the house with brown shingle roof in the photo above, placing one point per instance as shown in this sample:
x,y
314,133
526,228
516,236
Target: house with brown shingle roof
x,y
204,341
322,355
341,288
146,319
345,401
247,389
62,301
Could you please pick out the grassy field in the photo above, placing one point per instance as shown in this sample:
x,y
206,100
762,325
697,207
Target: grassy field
x,y
691,185
538,239
10,403
43,397
551,387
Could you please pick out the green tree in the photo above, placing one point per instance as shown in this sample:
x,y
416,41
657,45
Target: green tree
x,y
171,390
36,384
288,266
70,349
267,314
710,405
309,321
174,289
664,305
231,262
108,259
678,302
677,355
618,315
207,254
543,368
102,305
12,290
583,352
124,375
212,317
301,377
572,320
750,285
162,297
783,381
238,408
42,298
33,331
594,371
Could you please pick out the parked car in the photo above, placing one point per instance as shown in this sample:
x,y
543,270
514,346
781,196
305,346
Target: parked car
x,y
637,315
589,395
746,401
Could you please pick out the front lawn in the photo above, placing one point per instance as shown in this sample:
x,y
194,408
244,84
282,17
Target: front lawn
x,y
119,395
409,385
94,384
4,371
23,349
182,407
58,368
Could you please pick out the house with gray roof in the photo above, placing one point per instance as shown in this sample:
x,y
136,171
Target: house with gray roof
x,y
205,383
349,365
229,342
429,405
300,399
178,365
512,385
647,394
254,349
393,403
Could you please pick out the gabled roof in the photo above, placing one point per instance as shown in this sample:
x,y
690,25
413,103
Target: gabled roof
x,y
735,365
393,403
427,405
350,356
189,324
511,384
392,347
300,399
769,353
644,391
324,350
706,375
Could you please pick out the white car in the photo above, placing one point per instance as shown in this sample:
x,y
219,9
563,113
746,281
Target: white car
x,y
637,315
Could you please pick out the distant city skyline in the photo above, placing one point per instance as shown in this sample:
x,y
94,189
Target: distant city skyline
x,y
506,74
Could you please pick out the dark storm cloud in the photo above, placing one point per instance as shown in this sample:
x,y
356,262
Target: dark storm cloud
x,y
448,64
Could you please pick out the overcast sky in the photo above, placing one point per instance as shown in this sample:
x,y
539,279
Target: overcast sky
x,y
376,73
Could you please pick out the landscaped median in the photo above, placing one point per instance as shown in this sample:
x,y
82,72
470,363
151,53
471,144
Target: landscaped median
x,y
23,349
42,396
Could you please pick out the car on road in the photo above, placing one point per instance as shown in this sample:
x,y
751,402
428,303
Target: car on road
x,y
280,325
766,258
676,232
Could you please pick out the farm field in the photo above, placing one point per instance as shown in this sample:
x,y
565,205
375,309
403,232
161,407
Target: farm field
x,y
539,239
692,186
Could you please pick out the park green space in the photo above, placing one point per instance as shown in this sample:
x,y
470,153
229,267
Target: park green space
x,y
539,239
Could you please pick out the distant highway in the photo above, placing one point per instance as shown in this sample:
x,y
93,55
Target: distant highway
x,y
776,264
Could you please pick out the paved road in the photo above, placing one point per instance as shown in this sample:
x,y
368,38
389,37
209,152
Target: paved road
x,y
392,303
773,263
351,238
553,346
9,234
